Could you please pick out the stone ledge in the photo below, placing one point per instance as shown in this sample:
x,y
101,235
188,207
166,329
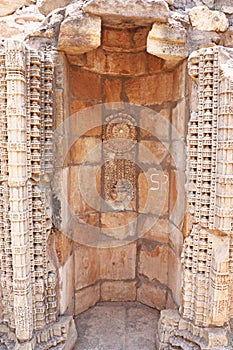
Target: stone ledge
x,y
141,12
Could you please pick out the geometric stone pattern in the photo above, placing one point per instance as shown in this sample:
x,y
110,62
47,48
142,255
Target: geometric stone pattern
x,y
207,252
28,275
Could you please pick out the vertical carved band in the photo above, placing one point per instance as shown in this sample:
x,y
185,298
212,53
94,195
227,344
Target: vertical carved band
x,y
28,275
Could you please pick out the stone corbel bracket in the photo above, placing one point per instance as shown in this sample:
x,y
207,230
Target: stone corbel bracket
x,y
80,31
168,41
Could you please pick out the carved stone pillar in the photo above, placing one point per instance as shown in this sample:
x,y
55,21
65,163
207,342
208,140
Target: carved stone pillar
x,y
206,309
28,274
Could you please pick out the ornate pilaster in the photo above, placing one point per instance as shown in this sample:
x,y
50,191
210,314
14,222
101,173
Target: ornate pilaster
x,y
206,309
28,275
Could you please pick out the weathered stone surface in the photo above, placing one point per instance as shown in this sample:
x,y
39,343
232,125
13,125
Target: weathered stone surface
x,y
152,295
140,12
84,189
119,225
123,39
117,63
177,195
227,37
86,149
49,28
86,266
152,152
174,275
179,120
118,291
67,287
21,23
47,6
150,90
153,192
176,239
115,326
224,6
118,263
7,7
112,90
170,2
86,122
79,32
168,41
153,124
86,298
204,19
82,83
153,262
153,228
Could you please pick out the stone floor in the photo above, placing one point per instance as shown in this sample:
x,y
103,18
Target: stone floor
x,y
117,326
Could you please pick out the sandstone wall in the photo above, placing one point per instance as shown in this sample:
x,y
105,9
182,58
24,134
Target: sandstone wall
x,y
120,70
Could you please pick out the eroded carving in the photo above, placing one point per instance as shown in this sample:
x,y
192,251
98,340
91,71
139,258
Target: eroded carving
x,y
120,140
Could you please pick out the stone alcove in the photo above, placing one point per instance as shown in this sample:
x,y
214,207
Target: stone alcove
x,y
117,202
125,252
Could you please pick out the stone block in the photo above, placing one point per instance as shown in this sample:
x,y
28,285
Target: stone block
x,y
124,39
117,63
177,195
64,246
7,7
178,155
84,189
86,298
66,279
150,90
139,12
82,83
155,64
118,263
153,262
85,229
87,266
87,122
152,295
179,120
171,305
168,41
114,39
20,24
202,18
153,192
46,6
78,105
112,90
174,275
152,152
119,225
86,150
179,81
155,124
153,228
79,34
175,239
118,291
